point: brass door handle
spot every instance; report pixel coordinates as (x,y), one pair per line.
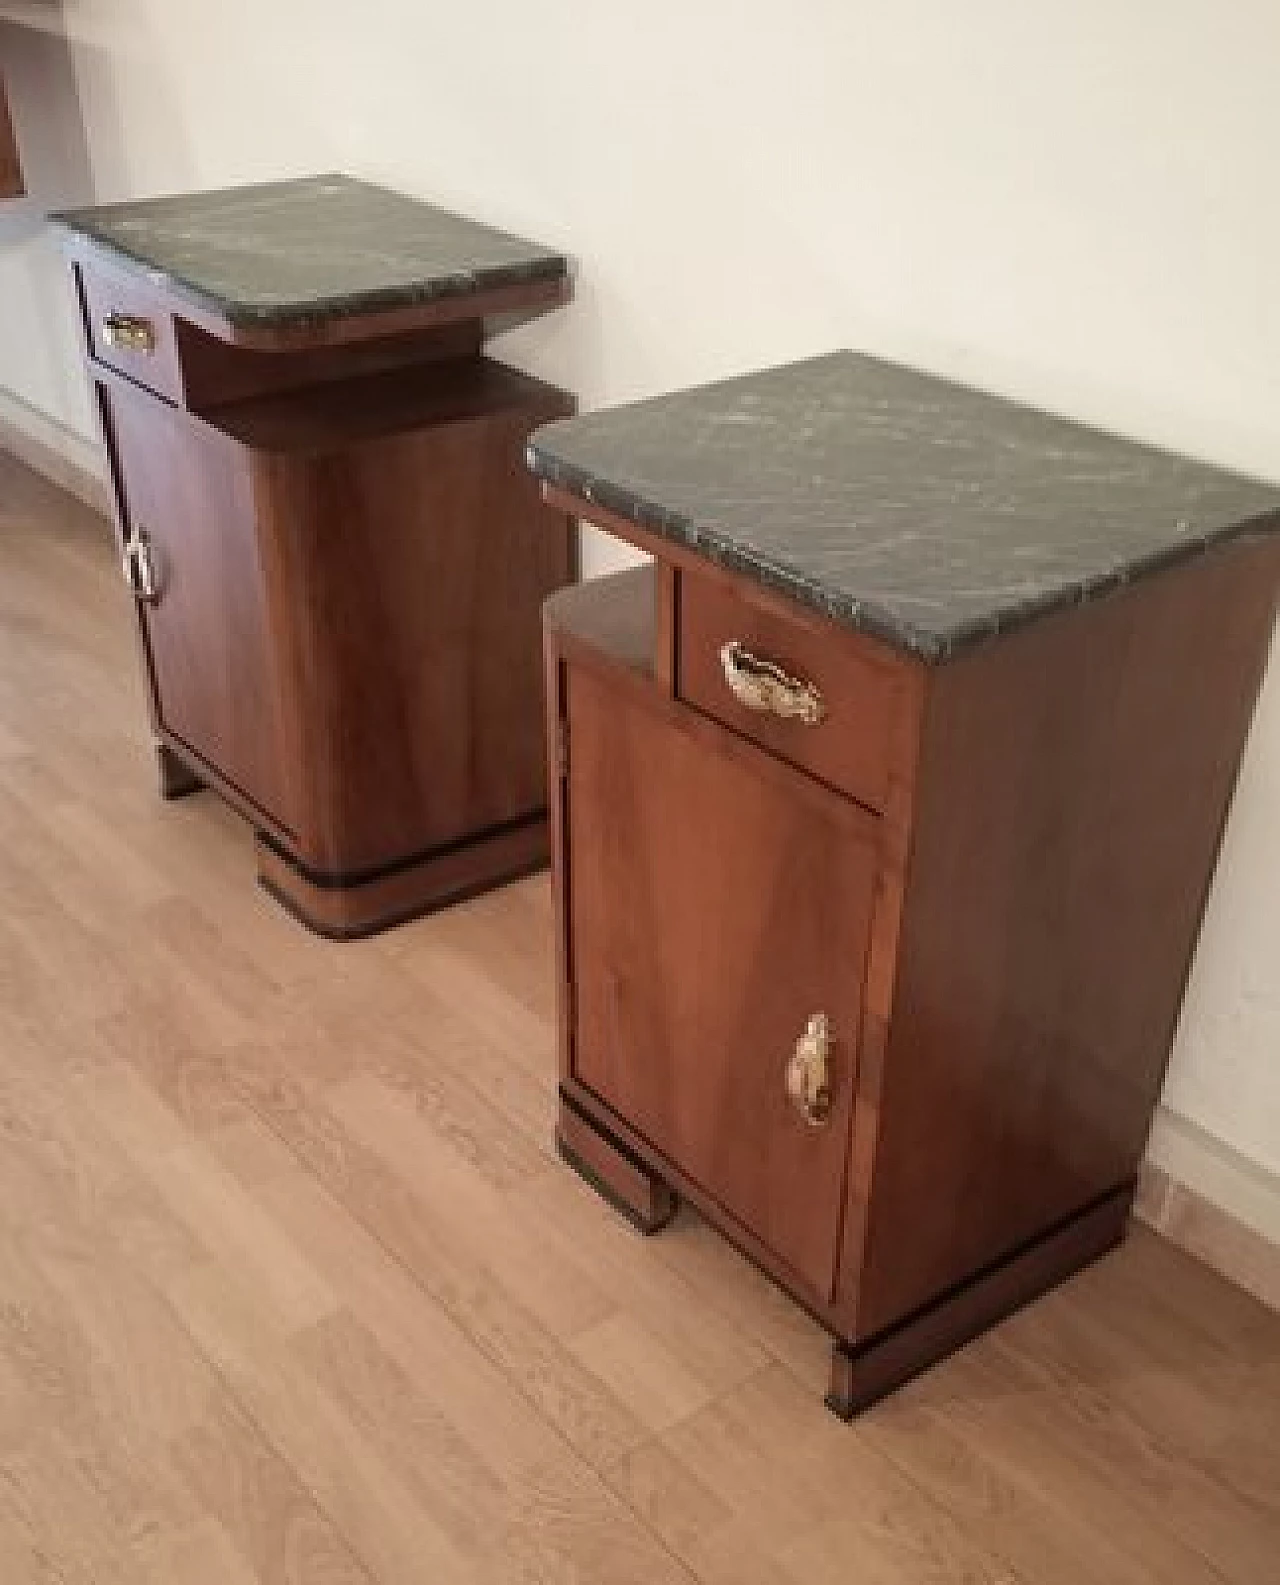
(140,568)
(809,1072)
(127,333)
(762,685)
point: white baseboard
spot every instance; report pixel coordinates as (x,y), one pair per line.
(1215,1172)
(67,458)
(1214,1203)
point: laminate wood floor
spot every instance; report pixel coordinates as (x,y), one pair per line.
(292,1288)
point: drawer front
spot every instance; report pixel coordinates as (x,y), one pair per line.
(719,905)
(810,692)
(129,328)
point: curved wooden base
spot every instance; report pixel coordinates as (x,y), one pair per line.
(862,1373)
(613,1170)
(347,908)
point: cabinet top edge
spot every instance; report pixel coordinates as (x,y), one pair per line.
(302,253)
(926,514)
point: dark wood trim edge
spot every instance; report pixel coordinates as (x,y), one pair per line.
(865,1372)
(349,913)
(341,881)
(362,932)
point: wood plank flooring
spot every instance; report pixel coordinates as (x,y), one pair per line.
(293,1290)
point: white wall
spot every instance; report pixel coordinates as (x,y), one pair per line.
(1072,204)
(38,348)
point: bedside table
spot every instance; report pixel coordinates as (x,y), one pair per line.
(335,556)
(885,807)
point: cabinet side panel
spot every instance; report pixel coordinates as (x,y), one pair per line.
(1073,784)
(417,564)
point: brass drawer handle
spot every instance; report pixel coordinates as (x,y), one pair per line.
(809,1072)
(760,685)
(140,568)
(125,333)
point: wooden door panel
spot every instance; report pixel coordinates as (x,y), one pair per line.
(189,489)
(716,904)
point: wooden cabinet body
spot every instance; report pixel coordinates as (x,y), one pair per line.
(338,563)
(992,900)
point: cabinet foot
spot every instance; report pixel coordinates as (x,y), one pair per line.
(177,780)
(611,1169)
(862,1373)
(346,907)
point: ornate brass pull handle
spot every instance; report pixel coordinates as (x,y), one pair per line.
(126,333)
(809,1072)
(761,685)
(141,572)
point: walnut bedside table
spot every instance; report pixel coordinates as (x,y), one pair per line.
(885,806)
(336,558)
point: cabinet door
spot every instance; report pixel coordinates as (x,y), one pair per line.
(188,490)
(718,901)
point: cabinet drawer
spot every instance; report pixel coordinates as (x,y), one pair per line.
(128,328)
(844,691)
(720,913)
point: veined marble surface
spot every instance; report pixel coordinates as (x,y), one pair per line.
(927,514)
(311,249)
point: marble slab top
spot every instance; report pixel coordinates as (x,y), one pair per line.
(927,514)
(305,251)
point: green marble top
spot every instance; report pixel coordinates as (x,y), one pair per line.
(927,514)
(301,252)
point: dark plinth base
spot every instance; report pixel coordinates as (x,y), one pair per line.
(346,908)
(865,1372)
(177,779)
(613,1170)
